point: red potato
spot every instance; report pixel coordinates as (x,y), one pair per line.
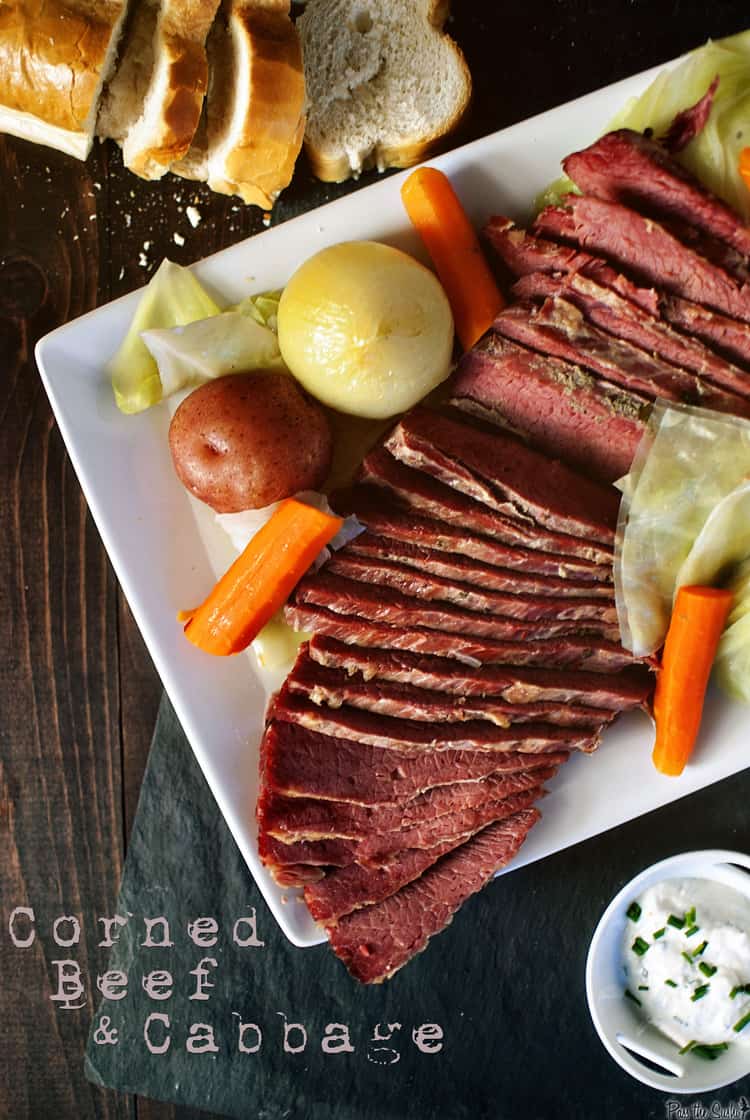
(249,439)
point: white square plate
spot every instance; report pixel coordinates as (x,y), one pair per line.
(167,551)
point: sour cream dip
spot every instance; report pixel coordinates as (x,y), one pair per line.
(686,962)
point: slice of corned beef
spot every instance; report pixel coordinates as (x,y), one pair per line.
(305,818)
(567,413)
(646,248)
(312,853)
(351,597)
(571,651)
(524,254)
(626,166)
(730,337)
(688,123)
(616,692)
(375,941)
(428,587)
(429,497)
(559,328)
(461,568)
(621,318)
(377,848)
(410,735)
(303,763)
(345,889)
(335,687)
(718,252)
(496,467)
(382,514)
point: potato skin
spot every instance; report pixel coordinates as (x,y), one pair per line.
(249,439)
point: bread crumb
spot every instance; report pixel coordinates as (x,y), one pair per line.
(194,216)
(178,239)
(142,260)
(146,246)
(128,220)
(122,272)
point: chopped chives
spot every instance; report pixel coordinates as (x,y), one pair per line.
(709,1050)
(700,992)
(741,989)
(659,933)
(630,995)
(671,983)
(633,912)
(691,931)
(707,969)
(643,987)
(689,1046)
(690,916)
(742,1023)
(687,957)
(673,920)
(701,948)
(640,946)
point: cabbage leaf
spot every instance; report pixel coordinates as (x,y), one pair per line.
(173,297)
(690,461)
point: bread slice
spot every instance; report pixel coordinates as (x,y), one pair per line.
(55,56)
(153,104)
(251,132)
(385,84)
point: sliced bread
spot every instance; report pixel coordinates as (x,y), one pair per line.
(385,84)
(153,104)
(251,132)
(55,56)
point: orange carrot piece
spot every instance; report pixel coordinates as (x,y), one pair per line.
(745,166)
(698,619)
(449,237)
(261,579)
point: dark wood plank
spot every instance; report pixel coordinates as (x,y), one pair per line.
(62,834)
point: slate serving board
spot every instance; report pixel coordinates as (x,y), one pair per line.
(504,983)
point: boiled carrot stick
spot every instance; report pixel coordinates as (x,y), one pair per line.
(449,237)
(698,619)
(745,166)
(261,579)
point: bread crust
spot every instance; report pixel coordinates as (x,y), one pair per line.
(52,55)
(262,160)
(409,150)
(182,67)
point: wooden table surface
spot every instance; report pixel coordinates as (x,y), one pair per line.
(78,694)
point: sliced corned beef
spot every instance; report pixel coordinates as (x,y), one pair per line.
(345,889)
(378,510)
(305,818)
(524,254)
(730,337)
(621,318)
(565,411)
(626,166)
(314,853)
(496,467)
(429,497)
(302,763)
(411,735)
(573,651)
(461,568)
(646,248)
(375,941)
(428,587)
(377,604)
(378,847)
(559,328)
(616,692)
(335,687)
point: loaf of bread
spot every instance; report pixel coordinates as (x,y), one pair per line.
(385,84)
(253,122)
(55,56)
(153,103)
